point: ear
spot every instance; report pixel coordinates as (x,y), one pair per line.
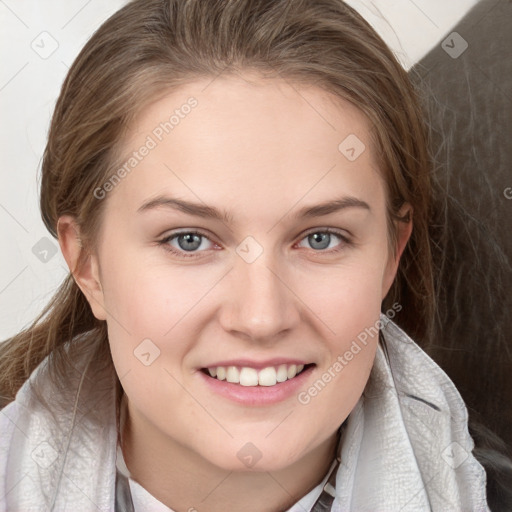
(88,276)
(404,230)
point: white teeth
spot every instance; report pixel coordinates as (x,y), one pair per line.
(233,375)
(292,371)
(267,376)
(282,373)
(247,376)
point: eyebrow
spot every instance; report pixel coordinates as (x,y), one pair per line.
(205,211)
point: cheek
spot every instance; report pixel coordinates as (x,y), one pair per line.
(150,333)
(150,296)
(348,302)
(333,394)
(347,298)
(155,313)
(142,310)
(342,375)
(353,315)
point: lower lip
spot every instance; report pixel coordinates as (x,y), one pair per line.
(257,395)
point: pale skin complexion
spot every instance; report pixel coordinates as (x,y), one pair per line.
(261,151)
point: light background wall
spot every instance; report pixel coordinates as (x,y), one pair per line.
(38,42)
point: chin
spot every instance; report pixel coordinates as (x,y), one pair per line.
(258,456)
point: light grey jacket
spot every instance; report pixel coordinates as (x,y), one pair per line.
(406,446)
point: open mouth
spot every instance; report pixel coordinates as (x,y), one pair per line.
(250,377)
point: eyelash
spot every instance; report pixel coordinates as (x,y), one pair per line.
(165,242)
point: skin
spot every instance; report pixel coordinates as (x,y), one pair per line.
(261,150)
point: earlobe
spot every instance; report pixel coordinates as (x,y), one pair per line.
(404,230)
(86,272)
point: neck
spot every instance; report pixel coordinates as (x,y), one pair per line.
(184,481)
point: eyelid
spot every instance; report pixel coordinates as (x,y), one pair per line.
(336,231)
(190,231)
(346,240)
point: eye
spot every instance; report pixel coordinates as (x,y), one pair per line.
(189,244)
(185,242)
(322,239)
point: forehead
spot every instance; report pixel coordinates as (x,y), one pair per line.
(245,138)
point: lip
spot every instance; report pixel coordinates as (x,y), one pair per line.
(257,395)
(257,365)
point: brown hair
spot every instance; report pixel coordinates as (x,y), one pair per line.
(148,48)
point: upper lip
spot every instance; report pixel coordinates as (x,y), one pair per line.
(259,365)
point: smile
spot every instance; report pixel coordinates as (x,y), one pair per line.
(251,377)
(256,384)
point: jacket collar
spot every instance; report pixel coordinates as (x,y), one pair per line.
(406,446)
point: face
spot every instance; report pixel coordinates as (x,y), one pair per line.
(215,258)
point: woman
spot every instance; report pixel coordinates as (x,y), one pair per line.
(241,192)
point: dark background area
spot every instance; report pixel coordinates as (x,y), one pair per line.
(469,102)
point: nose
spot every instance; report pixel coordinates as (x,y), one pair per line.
(259,303)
